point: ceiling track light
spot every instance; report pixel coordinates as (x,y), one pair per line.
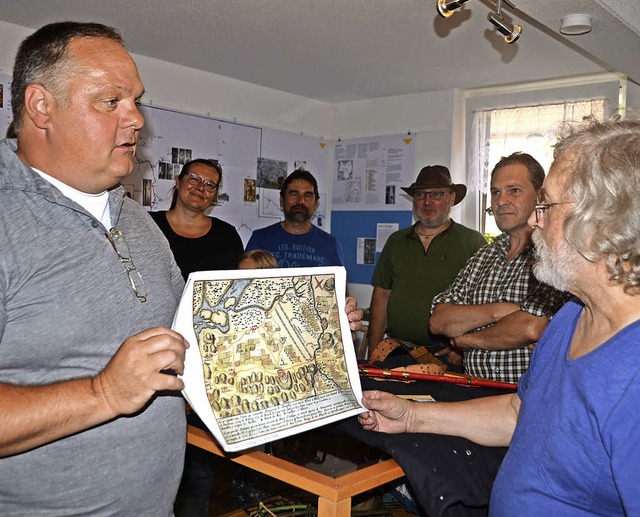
(510,32)
(446,7)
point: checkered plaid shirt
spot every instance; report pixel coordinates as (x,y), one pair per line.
(489,278)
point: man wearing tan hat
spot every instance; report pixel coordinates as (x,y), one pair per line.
(421,261)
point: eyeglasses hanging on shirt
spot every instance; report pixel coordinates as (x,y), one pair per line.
(119,243)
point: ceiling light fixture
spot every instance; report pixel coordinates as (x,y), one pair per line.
(446,7)
(575,24)
(510,32)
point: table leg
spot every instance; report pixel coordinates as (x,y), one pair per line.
(329,508)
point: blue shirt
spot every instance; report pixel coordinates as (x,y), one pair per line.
(576,447)
(314,248)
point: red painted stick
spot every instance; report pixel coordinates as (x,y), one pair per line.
(373,371)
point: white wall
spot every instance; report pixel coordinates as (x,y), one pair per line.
(10,37)
(194,91)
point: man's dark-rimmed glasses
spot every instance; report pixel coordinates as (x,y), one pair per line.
(435,195)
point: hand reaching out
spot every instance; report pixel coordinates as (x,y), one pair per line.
(387,413)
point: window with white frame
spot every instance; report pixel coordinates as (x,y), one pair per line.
(530,129)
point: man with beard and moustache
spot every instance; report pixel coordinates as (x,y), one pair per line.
(572,427)
(295,242)
(421,261)
(495,310)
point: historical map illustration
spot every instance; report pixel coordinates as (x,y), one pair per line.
(272,353)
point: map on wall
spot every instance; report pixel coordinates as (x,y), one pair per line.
(169,139)
(271,354)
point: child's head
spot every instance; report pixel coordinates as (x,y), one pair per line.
(257,259)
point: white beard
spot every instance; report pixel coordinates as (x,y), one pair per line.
(555,267)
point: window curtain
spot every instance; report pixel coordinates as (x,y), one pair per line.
(531,129)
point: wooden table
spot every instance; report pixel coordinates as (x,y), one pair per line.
(334,494)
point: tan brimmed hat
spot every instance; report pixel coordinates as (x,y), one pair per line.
(436,176)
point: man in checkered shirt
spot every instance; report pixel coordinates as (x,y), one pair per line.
(495,310)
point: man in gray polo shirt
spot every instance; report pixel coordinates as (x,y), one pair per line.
(92,419)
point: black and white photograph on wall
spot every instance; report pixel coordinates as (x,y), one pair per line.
(345,170)
(223,197)
(147,192)
(371,180)
(369,251)
(390,195)
(300,165)
(271,173)
(165,171)
(180,155)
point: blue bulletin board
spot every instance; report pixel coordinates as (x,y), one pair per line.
(349,226)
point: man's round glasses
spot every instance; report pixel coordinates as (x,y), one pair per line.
(541,208)
(435,195)
(195,180)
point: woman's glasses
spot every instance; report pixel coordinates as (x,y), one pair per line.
(196,180)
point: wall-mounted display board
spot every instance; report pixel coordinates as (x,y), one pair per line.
(254,163)
(352,228)
(169,139)
(368,173)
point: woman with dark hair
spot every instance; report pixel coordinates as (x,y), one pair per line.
(199,242)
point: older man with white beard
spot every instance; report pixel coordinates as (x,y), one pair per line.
(572,428)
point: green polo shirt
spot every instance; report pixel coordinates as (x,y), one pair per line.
(415,276)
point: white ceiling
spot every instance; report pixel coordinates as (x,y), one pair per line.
(341,50)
